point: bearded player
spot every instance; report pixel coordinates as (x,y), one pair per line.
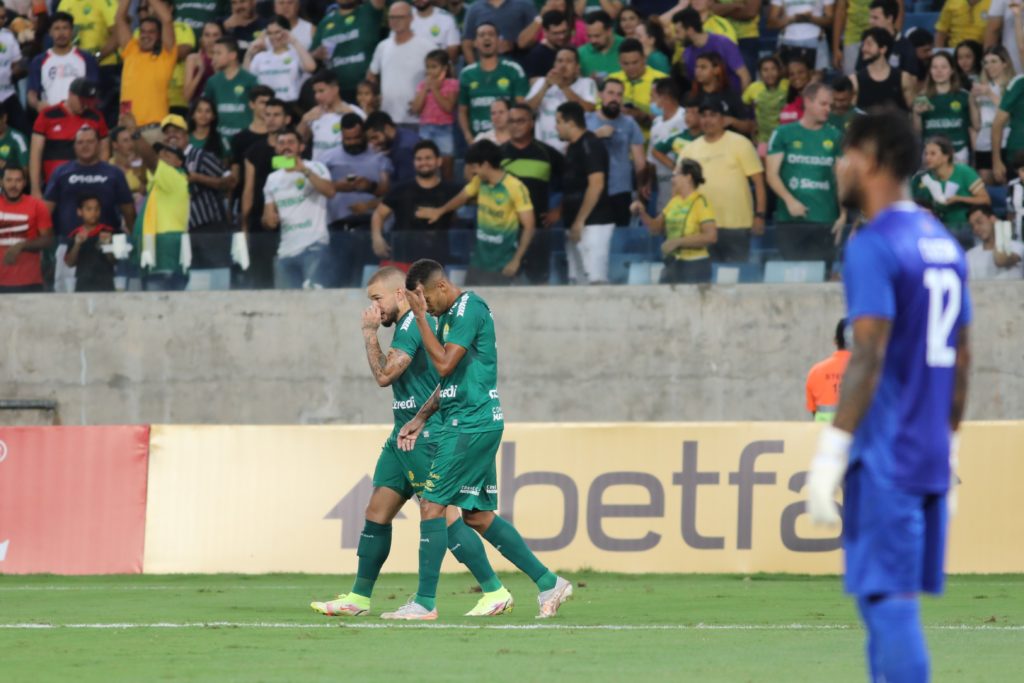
(400,474)
(462,475)
(894,438)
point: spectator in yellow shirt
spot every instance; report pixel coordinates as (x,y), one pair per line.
(638,80)
(184,45)
(688,224)
(961,20)
(148,65)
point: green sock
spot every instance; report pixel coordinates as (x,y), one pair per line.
(466,547)
(374,548)
(509,543)
(433,545)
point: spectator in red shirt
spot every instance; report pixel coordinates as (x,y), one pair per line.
(53,135)
(25,230)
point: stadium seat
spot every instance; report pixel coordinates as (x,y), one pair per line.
(925,20)
(997,193)
(644,272)
(208,279)
(733,273)
(790,272)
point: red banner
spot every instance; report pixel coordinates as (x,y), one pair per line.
(72,499)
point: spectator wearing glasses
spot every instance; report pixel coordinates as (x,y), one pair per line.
(541,58)
(539,167)
(398,64)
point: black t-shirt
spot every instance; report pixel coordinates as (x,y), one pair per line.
(94,271)
(260,155)
(240,144)
(539,166)
(413,238)
(903,56)
(245,35)
(585,156)
(539,61)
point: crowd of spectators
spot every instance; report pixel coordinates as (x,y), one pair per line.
(297,143)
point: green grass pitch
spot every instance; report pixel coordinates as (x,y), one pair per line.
(636,628)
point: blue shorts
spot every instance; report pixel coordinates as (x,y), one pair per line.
(894,542)
(442,136)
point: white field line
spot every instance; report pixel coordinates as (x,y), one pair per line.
(484,627)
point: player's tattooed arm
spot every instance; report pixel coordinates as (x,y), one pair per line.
(870,338)
(963,364)
(431,405)
(385,369)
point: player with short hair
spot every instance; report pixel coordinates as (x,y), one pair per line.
(400,474)
(894,438)
(463,349)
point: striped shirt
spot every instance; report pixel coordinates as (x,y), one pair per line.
(206,206)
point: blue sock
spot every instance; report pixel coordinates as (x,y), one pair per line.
(870,645)
(896,642)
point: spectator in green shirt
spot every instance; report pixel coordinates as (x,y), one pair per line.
(600,56)
(229,89)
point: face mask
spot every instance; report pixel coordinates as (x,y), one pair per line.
(656,110)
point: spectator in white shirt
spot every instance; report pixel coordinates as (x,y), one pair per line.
(299,27)
(562,84)
(279,61)
(437,26)
(296,204)
(803,24)
(987,260)
(399,64)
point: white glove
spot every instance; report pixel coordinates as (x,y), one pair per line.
(827,470)
(185,254)
(952,496)
(147,259)
(240,250)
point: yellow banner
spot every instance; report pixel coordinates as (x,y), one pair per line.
(717,497)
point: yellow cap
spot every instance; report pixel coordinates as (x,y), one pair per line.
(174,120)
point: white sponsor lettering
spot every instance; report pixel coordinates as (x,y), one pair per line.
(808,184)
(937,250)
(809,160)
(408,404)
(462,305)
(470,490)
(490,239)
(497,415)
(493,393)
(75,178)
(449,392)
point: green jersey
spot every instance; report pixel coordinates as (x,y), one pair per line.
(808,158)
(674,145)
(350,40)
(950,116)
(842,121)
(469,395)
(934,192)
(479,88)
(497,220)
(14,148)
(1013,104)
(232,98)
(414,386)
(594,64)
(195,13)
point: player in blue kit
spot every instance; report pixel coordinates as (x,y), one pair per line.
(893,440)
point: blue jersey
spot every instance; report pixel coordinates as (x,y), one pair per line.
(906,268)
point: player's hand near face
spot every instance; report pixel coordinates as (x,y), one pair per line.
(371,317)
(417,302)
(409,433)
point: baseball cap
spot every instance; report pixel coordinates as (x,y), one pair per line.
(82,87)
(161,147)
(713,103)
(175,120)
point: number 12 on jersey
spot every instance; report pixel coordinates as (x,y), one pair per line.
(945,297)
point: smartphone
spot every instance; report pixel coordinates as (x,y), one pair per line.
(278,162)
(126,106)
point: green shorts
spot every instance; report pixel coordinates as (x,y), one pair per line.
(463,473)
(405,472)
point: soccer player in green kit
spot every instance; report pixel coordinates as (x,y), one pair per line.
(462,348)
(401,473)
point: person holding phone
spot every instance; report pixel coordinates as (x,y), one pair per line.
(296,204)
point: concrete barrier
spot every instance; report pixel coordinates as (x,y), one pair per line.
(566,354)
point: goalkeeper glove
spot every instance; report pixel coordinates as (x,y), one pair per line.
(952,497)
(827,470)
